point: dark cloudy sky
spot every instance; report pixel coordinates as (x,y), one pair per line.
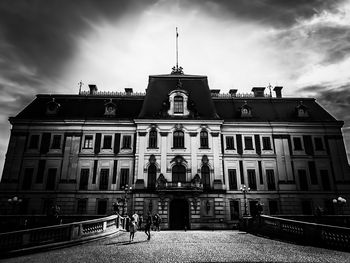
(48,46)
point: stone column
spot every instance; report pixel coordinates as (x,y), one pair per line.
(194,150)
(163,152)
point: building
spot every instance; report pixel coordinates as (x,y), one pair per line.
(181,150)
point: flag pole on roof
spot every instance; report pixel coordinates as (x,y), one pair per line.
(177,49)
(177,69)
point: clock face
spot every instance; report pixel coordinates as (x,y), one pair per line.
(109,108)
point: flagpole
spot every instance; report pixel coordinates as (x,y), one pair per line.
(177,50)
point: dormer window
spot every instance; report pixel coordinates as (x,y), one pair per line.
(52,107)
(246,111)
(178,104)
(110,108)
(178,101)
(302,111)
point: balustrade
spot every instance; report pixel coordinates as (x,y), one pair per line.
(327,236)
(30,239)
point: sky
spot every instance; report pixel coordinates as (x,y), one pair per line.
(49,46)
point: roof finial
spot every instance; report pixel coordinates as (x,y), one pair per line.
(80,84)
(177,69)
(269,87)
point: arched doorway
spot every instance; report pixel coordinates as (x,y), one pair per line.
(152,176)
(205,172)
(179,173)
(179,214)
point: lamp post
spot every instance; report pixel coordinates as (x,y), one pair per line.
(14,201)
(127,190)
(244,190)
(340,201)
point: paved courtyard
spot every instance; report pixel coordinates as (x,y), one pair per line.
(190,246)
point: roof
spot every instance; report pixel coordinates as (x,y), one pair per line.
(207,106)
(159,87)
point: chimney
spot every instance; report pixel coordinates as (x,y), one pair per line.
(93,89)
(278,90)
(258,91)
(214,92)
(128,91)
(233,92)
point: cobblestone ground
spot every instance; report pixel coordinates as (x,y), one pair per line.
(190,246)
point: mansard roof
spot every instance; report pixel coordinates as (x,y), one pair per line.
(78,107)
(270,109)
(205,104)
(159,87)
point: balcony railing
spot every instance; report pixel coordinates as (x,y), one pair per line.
(180,186)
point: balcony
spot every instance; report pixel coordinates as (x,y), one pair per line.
(179,186)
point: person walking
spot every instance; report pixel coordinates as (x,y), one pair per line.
(140,221)
(148,225)
(157,222)
(132,229)
(136,218)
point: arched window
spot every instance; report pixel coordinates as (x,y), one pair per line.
(152,174)
(205,172)
(178,139)
(152,142)
(178,104)
(179,173)
(204,139)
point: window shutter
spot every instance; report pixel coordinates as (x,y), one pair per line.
(134,145)
(239,144)
(95,172)
(257,144)
(116,143)
(241,171)
(97,143)
(45,142)
(41,170)
(115,167)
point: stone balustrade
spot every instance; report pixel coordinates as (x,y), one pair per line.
(327,236)
(59,235)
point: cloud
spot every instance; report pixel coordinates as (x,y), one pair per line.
(274,13)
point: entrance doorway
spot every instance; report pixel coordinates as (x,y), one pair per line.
(179,214)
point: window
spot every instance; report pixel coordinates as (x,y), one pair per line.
(205,172)
(104,179)
(248,142)
(325,180)
(51,179)
(107,142)
(40,172)
(230,143)
(152,174)
(126,142)
(266,143)
(152,141)
(34,142)
(312,172)
(84,179)
(303,180)
(178,104)
(101,207)
(297,144)
(56,142)
(88,142)
(232,179)
(178,139)
(179,173)
(318,144)
(306,207)
(81,206)
(27,180)
(273,207)
(251,179)
(270,176)
(204,139)
(124,177)
(234,209)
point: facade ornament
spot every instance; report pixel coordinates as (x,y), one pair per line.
(177,70)
(178,159)
(178,126)
(152,159)
(196,181)
(161,181)
(52,107)
(205,159)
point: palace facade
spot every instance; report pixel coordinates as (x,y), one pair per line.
(180,149)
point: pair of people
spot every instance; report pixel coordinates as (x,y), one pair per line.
(133,225)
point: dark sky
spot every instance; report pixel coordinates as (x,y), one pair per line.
(49,46)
